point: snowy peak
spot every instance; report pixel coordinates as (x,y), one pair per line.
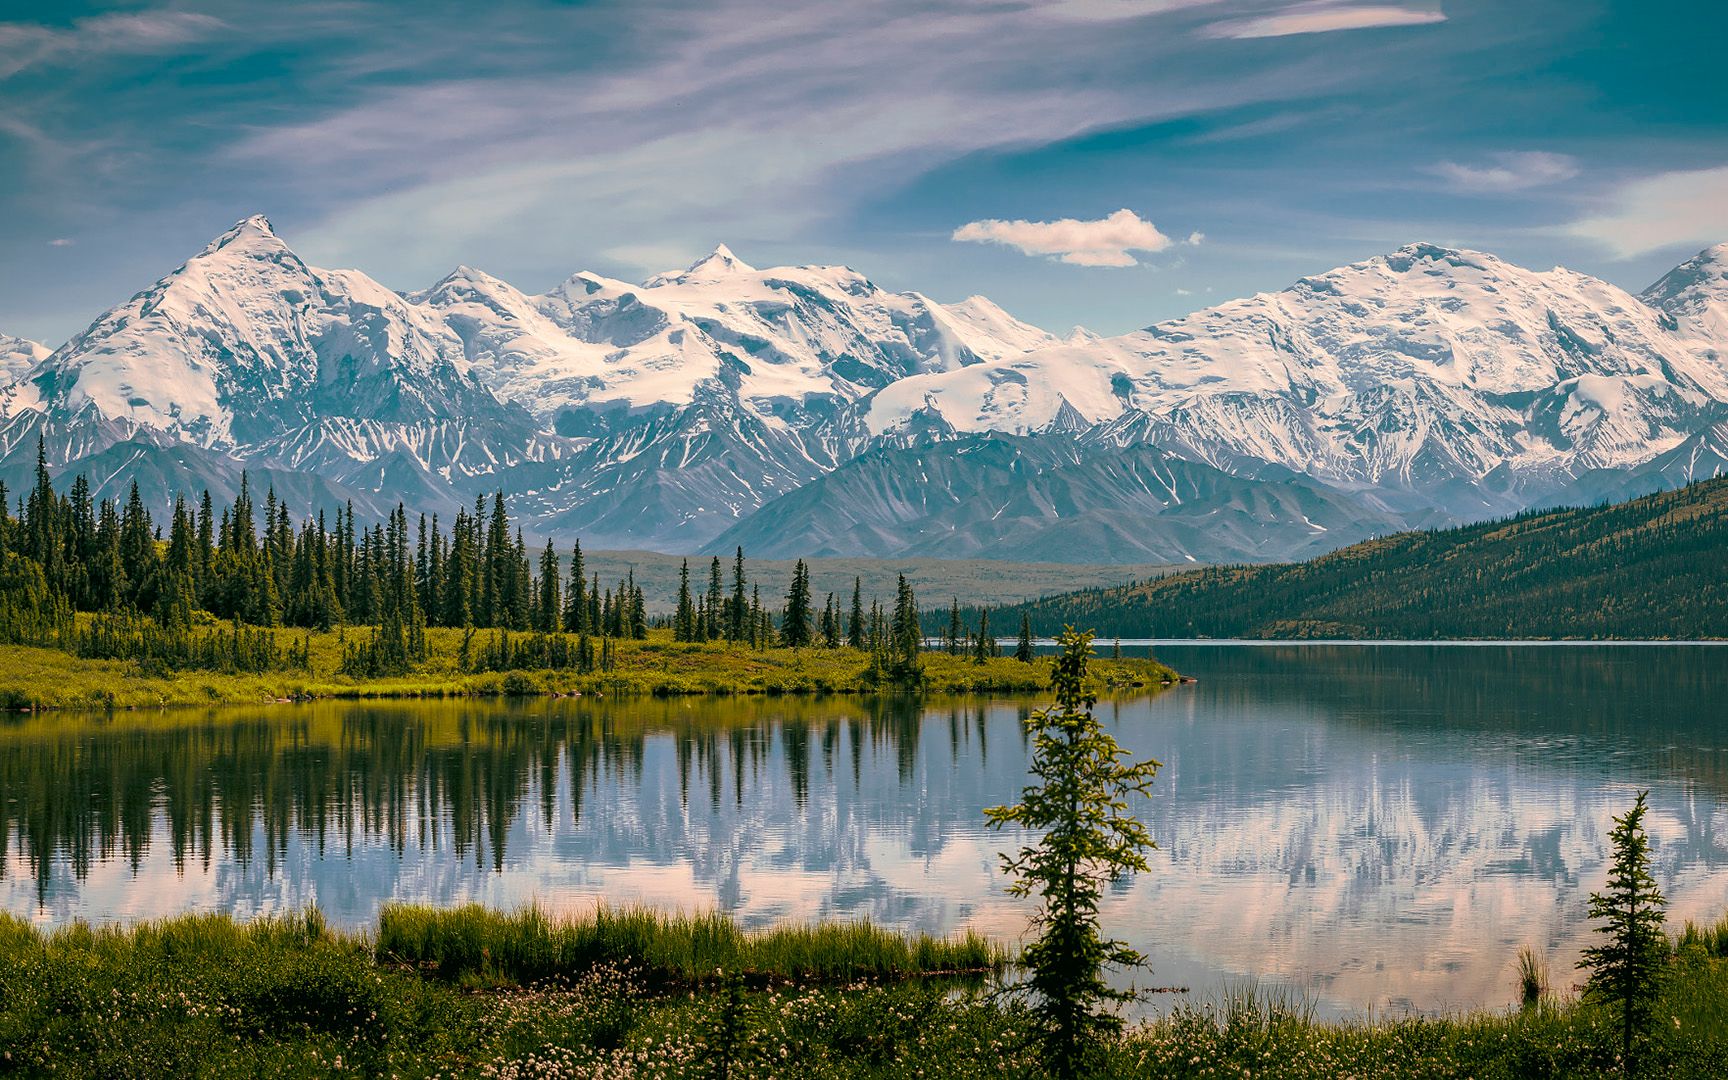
(717,265)
(246,235)
(1694,297)
(246,341)
(1705,272)
(987,331)
(17,356)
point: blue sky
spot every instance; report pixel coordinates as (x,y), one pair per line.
(972,146)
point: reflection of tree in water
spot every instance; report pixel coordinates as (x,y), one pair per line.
(241,784)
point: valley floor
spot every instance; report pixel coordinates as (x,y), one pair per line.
(632,995)
(32,678)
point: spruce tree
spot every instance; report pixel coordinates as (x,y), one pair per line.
(907,636)
(830,624)
(550,609)
(684,620)
(716,598)
(741,608)
(1023,649)
(795,629)
(520,598)
(855,620)
(459,575)
(1626,970)
(1087,839)
(576,601)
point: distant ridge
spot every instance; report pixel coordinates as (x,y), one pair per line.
(1655,567)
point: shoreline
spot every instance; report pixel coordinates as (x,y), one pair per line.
(36,680)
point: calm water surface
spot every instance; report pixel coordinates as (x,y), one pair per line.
(1376,826)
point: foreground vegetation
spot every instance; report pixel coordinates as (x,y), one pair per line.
(1654,567)
(468,993)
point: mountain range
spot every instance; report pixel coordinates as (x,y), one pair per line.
(804,410)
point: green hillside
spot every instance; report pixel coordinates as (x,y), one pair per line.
(1655,567)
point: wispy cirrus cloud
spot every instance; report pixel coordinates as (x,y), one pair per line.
(1323,17)
(1512,171)
(1665,210)
(1106,241)
(732,128)
(26,44)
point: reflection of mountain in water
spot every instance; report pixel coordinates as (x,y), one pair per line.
(1380,825)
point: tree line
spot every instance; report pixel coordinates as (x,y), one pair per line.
(156,591)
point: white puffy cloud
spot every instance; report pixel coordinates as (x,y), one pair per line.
(1321,18)
(1661,211)
(1107,241)
(1510,171)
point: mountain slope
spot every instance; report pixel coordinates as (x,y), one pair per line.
(1411,372)
(1050,498)
(1655,567)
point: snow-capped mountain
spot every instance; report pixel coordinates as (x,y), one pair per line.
(1449,377)
(17,356)
(792,339)
(1421,387)
(248,351)
(245,342)
(707,391)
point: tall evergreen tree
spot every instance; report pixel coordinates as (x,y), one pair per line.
(855,620)
(684,623)
(795,628)
(1086,839)
(550,609)
(576,600)
(741,608)
(986,644)
(1626,970)
(1023,650)
(714,602)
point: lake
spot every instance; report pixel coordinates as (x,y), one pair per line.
(1375,826)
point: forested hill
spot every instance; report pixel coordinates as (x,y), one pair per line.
(1655,567)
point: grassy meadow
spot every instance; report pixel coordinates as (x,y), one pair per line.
(32,678)
(619,995)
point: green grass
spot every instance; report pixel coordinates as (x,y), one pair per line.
(45,678)
(477,946)
(624,995)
